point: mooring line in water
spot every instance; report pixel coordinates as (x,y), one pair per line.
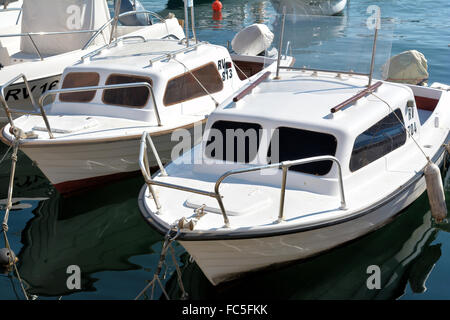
(168,239)
(6,153)
(11,256)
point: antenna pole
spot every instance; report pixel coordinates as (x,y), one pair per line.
(280,46)
(193,22)
(186,22)
(374,49)
(116,20)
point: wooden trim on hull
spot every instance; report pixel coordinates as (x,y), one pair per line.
(204,236)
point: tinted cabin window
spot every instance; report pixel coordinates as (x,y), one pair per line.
(77,80)
(380,139)
(185,87)
(135,97)
(233,141)
(299,144)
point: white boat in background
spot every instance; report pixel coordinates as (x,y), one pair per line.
(310,7)
(91,133)
(307,160)
(53,36)
(10,14)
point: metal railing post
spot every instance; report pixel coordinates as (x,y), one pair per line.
(35,47)
(280,46)
(30,93)
(116,20)
(143,164)
(146,169)
(110,21)
(283,193)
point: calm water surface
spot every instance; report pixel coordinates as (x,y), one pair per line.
(104,234)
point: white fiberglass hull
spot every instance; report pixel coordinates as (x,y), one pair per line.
(224,260)
(71,167)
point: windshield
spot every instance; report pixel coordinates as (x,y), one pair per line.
(337,43)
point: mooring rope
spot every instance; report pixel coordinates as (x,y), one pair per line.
(168,239)
(12,258)
(6,153)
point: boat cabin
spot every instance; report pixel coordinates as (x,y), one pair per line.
(293,118)
(182,80)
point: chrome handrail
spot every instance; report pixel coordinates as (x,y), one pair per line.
(110,21)
(8,111)
(171,54)
(10,9)
(49,33)
(110,45)
(285,165)
(44,33)
(91,39)
(106,86)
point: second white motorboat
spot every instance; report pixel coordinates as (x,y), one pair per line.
(53,35)
(91,133)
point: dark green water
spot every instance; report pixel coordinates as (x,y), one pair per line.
(104,234)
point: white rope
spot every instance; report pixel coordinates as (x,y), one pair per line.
(236,66)
(6,217)
(162,262)
(6,153)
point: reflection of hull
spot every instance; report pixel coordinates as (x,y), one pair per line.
(95,232)
(29,182)
(310,7)
(404,250)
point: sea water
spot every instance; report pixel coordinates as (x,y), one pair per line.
(102,232)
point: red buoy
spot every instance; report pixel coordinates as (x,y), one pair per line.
(217,5)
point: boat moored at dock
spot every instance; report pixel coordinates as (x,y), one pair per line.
(41,47)
(304,162)
(91,133)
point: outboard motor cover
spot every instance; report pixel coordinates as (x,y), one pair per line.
(406,67)
(252,40)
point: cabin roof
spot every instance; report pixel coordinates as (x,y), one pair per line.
(135,55)
(301,100)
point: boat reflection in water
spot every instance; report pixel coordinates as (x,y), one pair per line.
(405,251)
(100,232)
(97,232)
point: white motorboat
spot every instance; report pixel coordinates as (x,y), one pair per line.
(310,7)
(307,160)
(42,46)
(91,133)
